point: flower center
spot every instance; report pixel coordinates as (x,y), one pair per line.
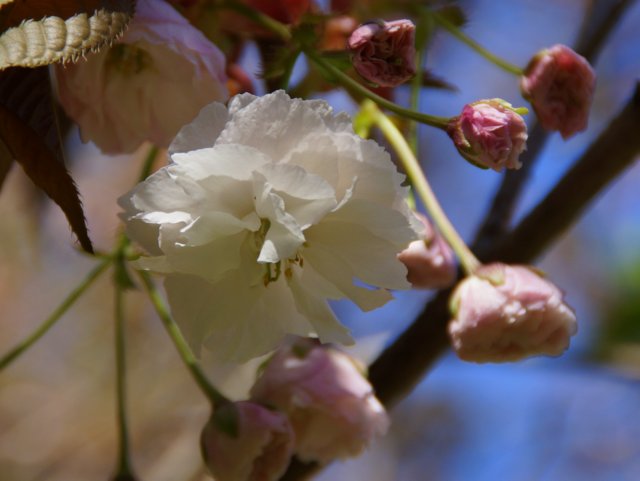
(128,59)
(273,270)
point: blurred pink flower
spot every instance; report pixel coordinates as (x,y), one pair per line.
(559,83)
(146,86)
(430,261)
(490,134)
(506,313)
(384,52)
(331,405)
(259,450)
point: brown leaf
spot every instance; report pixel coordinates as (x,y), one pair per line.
(40,32)
(29,130)
(6,161)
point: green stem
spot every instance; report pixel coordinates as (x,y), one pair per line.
(460,35)
(148,163)
(286,78)
(55,315)
(124,459)
(215,397)
(351,84)
(468,261)
(278,28)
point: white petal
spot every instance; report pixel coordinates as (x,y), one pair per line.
(167,190)
(213,225)
(284,236)
(380,220)
(233,320)
(210,261)
(307,197)
(370,258)
(319,314)
(202,131)
(335,271)
(235,161)
(275,123)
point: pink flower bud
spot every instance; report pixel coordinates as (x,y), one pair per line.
(430,261)
(384,52)
(490,134)
(245,441)
(330,403)
(506,313)
(146,86)
(559,83)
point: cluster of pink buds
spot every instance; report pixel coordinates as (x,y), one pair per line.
(310,400)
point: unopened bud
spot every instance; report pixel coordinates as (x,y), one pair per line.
(245,441)
(490,134)
(430,261)
(506,313)
(384,52)
(559,83)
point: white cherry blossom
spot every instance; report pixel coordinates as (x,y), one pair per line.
(268,209)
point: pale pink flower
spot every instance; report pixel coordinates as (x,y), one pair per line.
(560,83)
(384,52)
(146,86)
(245,441)
(506,313)
(332,407)
(430,261)
(490,134)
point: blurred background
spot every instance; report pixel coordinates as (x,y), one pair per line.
(562,419)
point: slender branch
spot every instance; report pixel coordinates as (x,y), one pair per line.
(601,20)
(351,84)
(147,165)
(464,38)
(418,348)
(124,460)
(214,396)
(55,315)
(422,187)
(497,221)
(278,28)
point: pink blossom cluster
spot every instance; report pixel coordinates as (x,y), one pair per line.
(310,400)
